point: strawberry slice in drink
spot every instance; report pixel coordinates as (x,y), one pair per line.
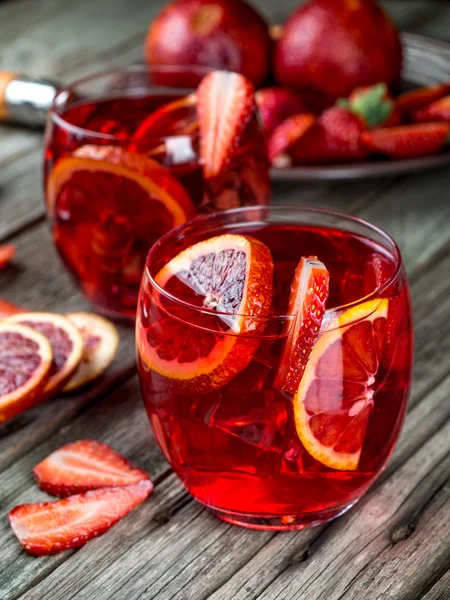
(225,105)
(309,294)
(49,527)
(25,362)
(65,340)
(82,466)
(204,341)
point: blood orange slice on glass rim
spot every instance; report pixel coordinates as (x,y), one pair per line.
(334,400)
(25,362)
(65,340)
(225,283)
(309,294)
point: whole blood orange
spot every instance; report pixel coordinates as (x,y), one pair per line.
(334,400)
(228,279)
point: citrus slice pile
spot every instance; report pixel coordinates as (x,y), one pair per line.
(65,340)
(117,204)
(334,400)
(231,277)
(25,362)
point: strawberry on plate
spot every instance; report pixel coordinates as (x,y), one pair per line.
(49,527)
(82,466)
(415,99)
(225,105)
(290,132)
(334,138)
(7,252)
(374,105)
(309,294)
(407,141)
(277,104)
(436,111)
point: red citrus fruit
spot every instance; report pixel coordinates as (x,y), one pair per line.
(229,279)
(334,400)
(65,340)
(221,34)
(101,341)
(309,294)
(25,362)
(333,46)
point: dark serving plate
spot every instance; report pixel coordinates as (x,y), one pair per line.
(426,61)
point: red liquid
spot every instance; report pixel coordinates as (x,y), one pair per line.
(236,448)
(103,224)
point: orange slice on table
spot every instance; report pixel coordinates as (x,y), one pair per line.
(25,362)
(334,400)
(228,277)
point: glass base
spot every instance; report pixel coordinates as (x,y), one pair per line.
(281,523)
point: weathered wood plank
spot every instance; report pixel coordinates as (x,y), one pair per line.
(440,590)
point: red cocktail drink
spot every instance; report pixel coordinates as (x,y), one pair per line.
(276,385)
(126,160)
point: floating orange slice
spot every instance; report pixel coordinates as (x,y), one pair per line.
(334,401)
(230,274)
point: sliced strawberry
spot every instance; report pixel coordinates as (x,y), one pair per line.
(334,138)
(436,111)
(407,141)
(82,466)
(373,105)
(225,105)
(275,105)
(50,527)
(8,308)
(285,136)
(309,294)
(415,99)
(7,252)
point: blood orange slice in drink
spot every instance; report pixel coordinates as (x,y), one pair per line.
(65,340)
(101,341)
(25,361)
(334,400)
(117,204)
(175,118)
(228,279)
(309,294)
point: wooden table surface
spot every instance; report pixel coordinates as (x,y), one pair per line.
(394,544)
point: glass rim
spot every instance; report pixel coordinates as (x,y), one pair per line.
(199,220)
(70,87)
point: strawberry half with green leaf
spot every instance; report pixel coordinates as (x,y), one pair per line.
(85,465)
(49,527)
(415,99)
(408,141)
(287,134)
(225,105)
(309,295)
(335,137)
(436,111)
(373,105)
